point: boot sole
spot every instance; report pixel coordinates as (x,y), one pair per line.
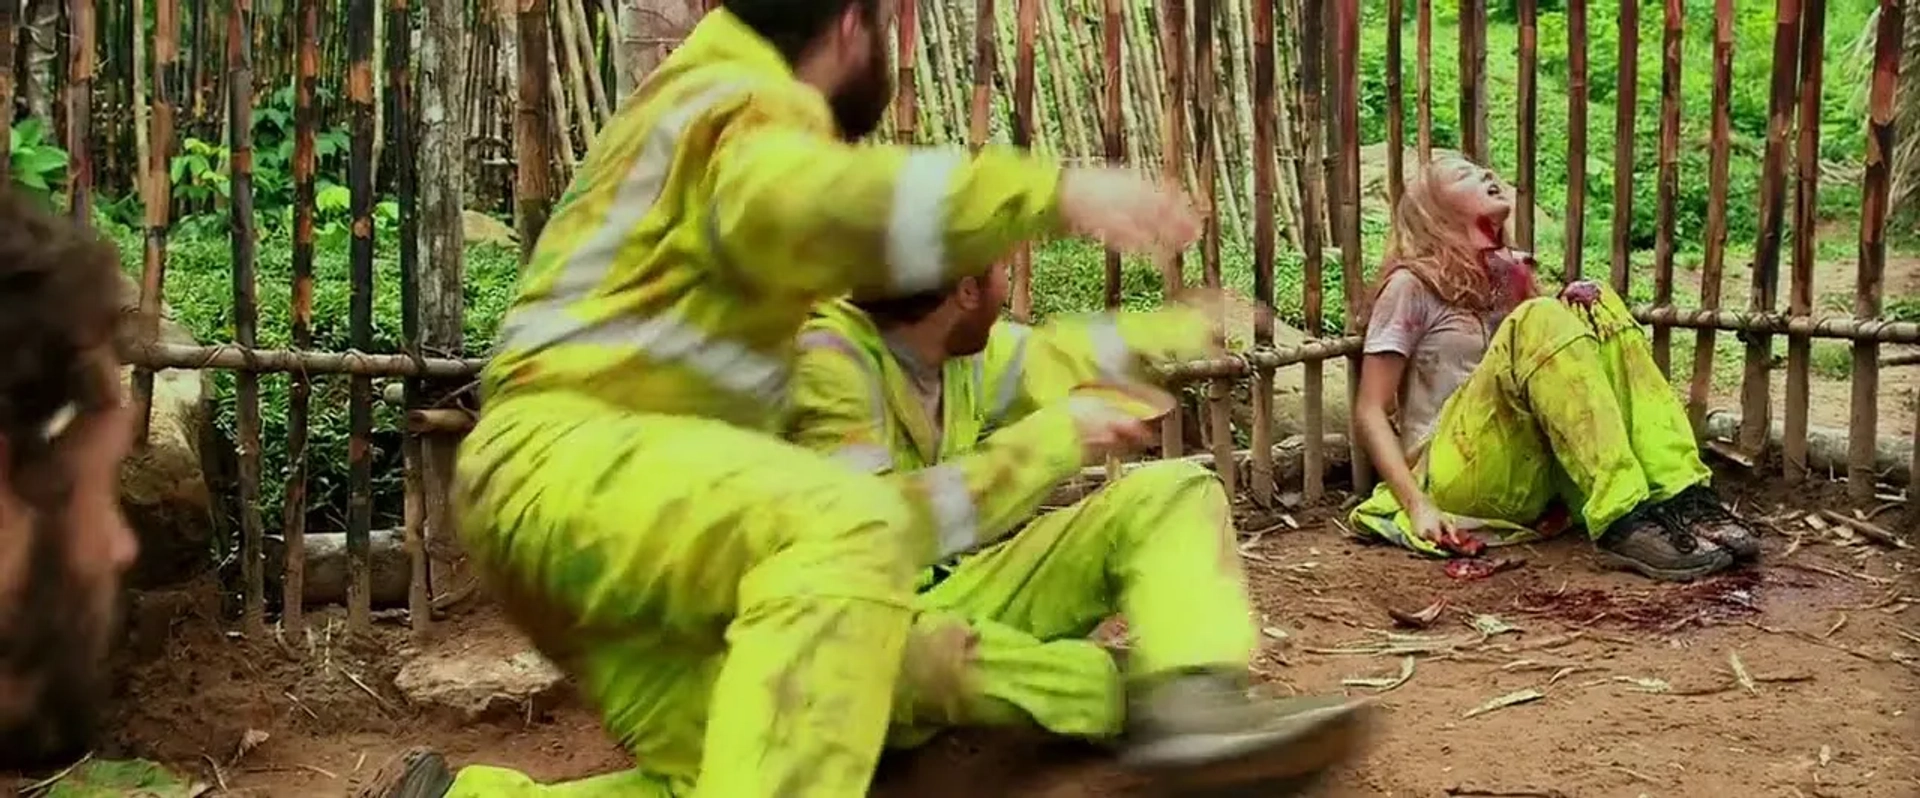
(1279,762)
(1664,574)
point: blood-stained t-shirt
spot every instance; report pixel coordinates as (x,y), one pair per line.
(1442,343)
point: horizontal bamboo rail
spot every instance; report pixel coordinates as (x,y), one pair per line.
(228,357)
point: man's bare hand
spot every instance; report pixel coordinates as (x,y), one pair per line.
(1123,209)
(1106,429)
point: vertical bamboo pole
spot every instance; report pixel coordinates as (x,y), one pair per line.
(1312,231)
(1264,180)
(1626,100)
(1396,112)
(1756,394)
(1576,223)
(589,62)
(983,61)
(1330,64)
(157,195)
(575,74)
(904,106)
(1527,136)
(1719,148)
(1113,129)
(532,143)
(1028,13)
(306,123)
(1473,79)
(406,137)
(1113,141)
(1173,155)
(1353,281)
(1669,186)
(1863,427)
(1806,220)
(360,311)
(1206,65)
(9,36)
(245,307)
(137,64)
(1423,97)
(80,71)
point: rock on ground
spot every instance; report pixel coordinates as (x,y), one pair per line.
(163,486)
(480,681)
(480,228)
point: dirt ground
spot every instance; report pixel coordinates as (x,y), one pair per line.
(1637,686)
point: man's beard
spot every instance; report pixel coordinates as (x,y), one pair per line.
(53,644)
(860,106)
(969,336)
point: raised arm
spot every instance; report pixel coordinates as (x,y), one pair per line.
(799,209)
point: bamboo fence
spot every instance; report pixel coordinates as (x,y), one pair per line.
(1169,87)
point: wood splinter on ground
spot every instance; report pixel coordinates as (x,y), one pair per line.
(1871,531)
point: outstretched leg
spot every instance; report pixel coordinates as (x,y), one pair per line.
(1157,546)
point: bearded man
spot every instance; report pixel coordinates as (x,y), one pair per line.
(736,606)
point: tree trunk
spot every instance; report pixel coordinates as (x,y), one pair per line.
(649,30)
(442,197)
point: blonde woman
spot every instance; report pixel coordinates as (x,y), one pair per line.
(1486,408)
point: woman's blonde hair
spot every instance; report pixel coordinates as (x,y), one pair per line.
(1431,237)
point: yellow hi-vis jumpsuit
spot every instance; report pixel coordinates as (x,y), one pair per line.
(1567,405)
(735,605)
(1000,637)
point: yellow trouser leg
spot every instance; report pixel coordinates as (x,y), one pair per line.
(1156,545)
(1568,404)
(736,606)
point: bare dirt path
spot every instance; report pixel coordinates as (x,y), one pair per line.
(1638,690)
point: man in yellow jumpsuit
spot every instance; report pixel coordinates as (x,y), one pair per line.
(930,389)
(736,606)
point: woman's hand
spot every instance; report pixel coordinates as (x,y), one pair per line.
(1438,527)
(1430,523)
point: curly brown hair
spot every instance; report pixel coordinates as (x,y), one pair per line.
(59,303)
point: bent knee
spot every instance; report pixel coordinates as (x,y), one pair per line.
(1170,477)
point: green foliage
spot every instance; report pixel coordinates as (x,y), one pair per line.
(36,164)
(199,291)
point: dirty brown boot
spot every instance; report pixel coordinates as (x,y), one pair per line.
(418,773)
(1206,733)
(1698,509)
(1660,549)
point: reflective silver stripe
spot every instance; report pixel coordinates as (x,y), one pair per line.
(916,228)
(956,521)
(865,457)
(667,338)
(548,321)
(1008,388)
(877,397)
(1110,351)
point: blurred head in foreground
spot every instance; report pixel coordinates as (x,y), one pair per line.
(839,46)
(64,429)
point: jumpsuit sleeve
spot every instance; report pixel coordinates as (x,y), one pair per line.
(963,503)
(1029,368)
(795,208)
